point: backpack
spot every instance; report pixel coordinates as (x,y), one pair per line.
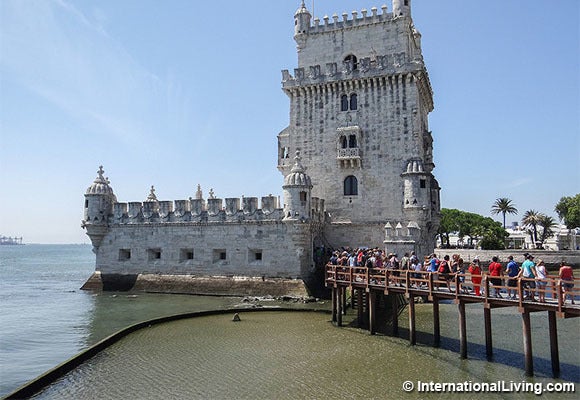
(443,267)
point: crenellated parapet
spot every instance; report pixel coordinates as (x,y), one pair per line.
(195,210)
(390,69)
(354,20)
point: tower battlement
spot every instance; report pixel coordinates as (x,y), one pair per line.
(367,67)
(356,19)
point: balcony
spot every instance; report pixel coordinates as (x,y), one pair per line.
(349,157)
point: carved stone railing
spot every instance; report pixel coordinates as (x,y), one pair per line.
(348,153)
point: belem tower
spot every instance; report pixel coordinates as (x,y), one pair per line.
(356,160)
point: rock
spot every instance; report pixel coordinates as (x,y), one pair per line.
(236,317)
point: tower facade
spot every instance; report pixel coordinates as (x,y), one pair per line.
(359,104)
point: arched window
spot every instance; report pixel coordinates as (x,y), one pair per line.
(353,101)
(344,103)
(343,142)
(350,186)
(351,58)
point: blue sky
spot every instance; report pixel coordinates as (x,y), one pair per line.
(180,93)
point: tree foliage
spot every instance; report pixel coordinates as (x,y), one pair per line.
(489,233)
(568,210)
(503,206)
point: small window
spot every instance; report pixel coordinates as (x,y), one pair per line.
(124,254)
(343,142)
(285,152)
(153,254)
(86,204)
(255,255)
(303,196)
(423,183)
(350,186)
(352,58)
(353,101)
(185,255)
(344,103)
(219,255)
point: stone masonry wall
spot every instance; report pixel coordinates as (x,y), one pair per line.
(271,249)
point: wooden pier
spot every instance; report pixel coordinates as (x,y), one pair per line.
(366,283)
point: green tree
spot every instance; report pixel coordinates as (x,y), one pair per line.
(490,234)
(503,206)
(530,221)
(548,226)
(568,210)
(448,224)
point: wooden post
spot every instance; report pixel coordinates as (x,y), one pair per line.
(462,330)
(395,314)
(554,344)
(344,301)
(412,333)
(352,297)
(527,332)
(488,341)
(333,304)
(360,307)
(372,316)
(436,328)
(339,306)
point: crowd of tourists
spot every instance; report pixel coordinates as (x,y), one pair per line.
(533,276)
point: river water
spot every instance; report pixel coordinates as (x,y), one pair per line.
(45,319)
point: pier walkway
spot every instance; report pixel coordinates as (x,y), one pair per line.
(367,283)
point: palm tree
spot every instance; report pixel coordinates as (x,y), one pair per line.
(548,224)
(504,206)
(531,220)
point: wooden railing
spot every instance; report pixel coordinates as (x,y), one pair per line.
(457,285)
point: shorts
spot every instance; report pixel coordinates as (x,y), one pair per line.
(567,285)
(495,281)
(542,283)
(530,284)
(512,282)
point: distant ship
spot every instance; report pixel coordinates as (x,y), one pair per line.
(8,241)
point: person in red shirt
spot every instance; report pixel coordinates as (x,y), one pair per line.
(567,276)
(495,272)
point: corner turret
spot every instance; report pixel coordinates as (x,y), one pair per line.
(301,25)
(297,192)
(99,199)
(401,8)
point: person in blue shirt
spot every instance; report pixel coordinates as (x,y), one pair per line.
(512,270)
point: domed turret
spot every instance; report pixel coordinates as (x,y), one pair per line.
(297,187)
(301,25)
(99,199)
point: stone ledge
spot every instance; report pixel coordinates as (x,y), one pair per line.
(198,285)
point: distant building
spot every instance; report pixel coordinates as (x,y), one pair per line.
(356,158)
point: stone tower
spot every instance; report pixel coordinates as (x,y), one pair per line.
(359,104)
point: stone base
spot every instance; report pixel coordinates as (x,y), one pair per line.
(188,284)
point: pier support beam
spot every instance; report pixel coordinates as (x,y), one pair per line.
(554,344)
(360,307)
(462,330)
(395,315)
(488,340)
(527,333)
(339,306)
(333,298)
(436,328)
(412,333)
(344,303)
(372,312)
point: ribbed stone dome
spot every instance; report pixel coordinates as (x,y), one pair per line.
(297,175)
(100,185)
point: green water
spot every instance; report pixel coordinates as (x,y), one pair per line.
(283,355)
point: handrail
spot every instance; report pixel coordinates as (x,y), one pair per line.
(430,281)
